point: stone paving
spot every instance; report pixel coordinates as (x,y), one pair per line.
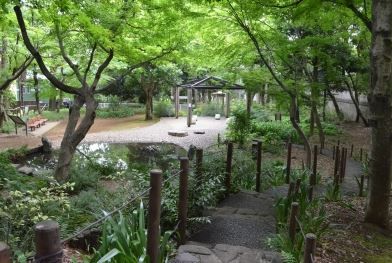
(240,226)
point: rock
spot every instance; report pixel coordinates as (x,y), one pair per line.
(46,145)
(186,258)
(178,133)
(26,170)
(194,250)
(217,116)
(199,132)
(210,259)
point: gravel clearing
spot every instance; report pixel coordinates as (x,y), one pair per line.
(158,133)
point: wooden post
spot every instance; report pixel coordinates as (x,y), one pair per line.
(341,169)
(227,105)
(276,116)
(229,161)
(333,152)
(336,168)
(310,193)
(183,199)
(360,154)
(288,164)
(361,184)
(297,186)
(154,215)
(5,253)
(199,164)
(293,221)
(258,166)
(189,106)
(177,101)
(338,143)
(310,248)
(313,175)
(219,139)
(48,246)
(291,189)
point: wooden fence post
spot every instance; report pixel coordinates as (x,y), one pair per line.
(310,248)
(258,166)
(333,152)
(48,246)
(360,154)
(293,221)
(154,215)
(337,161)
(183,199)
(5,253)
(352,150)
(313,175)
(342,165)
(288,164)
(199,164)
(229,161)
(219,140)
(310,193)
(361,184)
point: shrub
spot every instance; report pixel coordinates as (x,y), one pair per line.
(124,239)
(164,108)
(239,126)
(8,127)
(209,109)
(119,112)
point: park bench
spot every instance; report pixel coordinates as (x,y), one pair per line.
(36,122)
(31,124)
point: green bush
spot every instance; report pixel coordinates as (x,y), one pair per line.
(8,127)
(239,126)
(164,108)
(209,109)
(111,112)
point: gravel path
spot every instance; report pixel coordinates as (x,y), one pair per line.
(159,133)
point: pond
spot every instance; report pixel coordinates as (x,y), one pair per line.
(119,156)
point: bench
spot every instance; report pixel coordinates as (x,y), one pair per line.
(36,122)
(18,121)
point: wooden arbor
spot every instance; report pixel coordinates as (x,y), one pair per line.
(208,84)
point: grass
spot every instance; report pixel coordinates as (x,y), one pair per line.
(382,247)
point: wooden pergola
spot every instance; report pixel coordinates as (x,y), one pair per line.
(206,83)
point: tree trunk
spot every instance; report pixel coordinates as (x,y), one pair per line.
(316,118)
(356,104)
(148,104)
(52,103)
(311,122)
(293,113)
(36,92)
(249,96)
(380,97)
(74,134)
(335,104)
(356,96)
(60,101)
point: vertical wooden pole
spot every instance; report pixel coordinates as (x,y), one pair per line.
(291,190)
(219,139)
(313,175)
(229,161)
(297,186)
(336,168)
(189,100)
(360,154)
(199,164)
(341,169)
(288,164)
(361,184)
(183,199)
(310,248)
(154,215)
(177,101)
(293,221)
(48,246)
(5,253)
(227,105)
(310,193)
(333,152)
(258,166)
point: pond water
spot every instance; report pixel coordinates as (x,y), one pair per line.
(118,156)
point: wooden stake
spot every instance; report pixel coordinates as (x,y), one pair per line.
(154,215)
(183,199)
(258,166)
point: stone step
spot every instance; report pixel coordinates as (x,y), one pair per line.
(194,252)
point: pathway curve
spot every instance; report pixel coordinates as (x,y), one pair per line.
(158,132)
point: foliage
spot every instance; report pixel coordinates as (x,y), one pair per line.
(22,210)
(332,193)
(121,111)
(164,108)
(239,126)
(7,127)
(124,239)
(209,109)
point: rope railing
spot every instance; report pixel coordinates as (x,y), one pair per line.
(107,215)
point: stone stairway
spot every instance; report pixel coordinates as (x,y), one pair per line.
(239,229)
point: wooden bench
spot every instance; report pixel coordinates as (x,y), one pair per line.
(36,122)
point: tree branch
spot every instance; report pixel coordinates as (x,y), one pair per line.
(101,68)
(34,52)
(90,61)
(16,73)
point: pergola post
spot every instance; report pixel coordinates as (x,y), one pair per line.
(196,97)
(227,105)
(177,101)
(189,102)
